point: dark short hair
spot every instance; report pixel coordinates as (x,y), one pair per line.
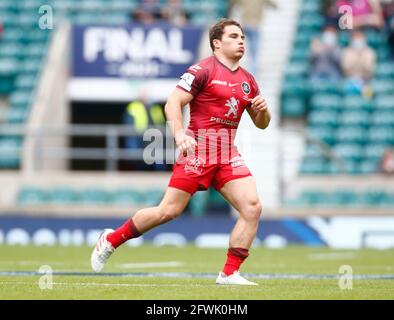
(217,30)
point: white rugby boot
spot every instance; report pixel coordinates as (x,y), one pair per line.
(234,279)
(102,251)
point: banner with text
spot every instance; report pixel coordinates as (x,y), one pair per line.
(134,51)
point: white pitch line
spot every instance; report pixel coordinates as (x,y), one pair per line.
(31,262)
(332,256)
(93,284)
(169,264)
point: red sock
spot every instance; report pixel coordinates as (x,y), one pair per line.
(235,257)
(125,232)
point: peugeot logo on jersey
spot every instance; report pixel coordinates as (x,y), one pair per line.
(232,103)
(245,87)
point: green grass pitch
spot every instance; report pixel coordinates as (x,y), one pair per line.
(156,273)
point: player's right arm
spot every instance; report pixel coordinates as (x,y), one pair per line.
(173,110)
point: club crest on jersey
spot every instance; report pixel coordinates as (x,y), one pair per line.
(245,87)
(232,103)
(194,164)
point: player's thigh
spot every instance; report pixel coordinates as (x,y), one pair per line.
(174,200)
(242,195)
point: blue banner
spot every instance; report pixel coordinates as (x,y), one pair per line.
(134,51)
(209,231)
(204,232)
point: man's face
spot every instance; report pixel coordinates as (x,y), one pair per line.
(232,43)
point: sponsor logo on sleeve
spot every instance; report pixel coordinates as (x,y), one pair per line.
(223,83)
(195,68)
(186,81)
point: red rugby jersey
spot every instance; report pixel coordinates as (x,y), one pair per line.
(220,97)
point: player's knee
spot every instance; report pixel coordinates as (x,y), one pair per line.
(253,210)
(169,212)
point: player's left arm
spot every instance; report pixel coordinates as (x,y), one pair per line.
(258,111)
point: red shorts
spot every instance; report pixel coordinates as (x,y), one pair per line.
(191,173)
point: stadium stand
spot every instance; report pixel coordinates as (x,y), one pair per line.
(23,48)
(346,135)
(355,126)
(23,57)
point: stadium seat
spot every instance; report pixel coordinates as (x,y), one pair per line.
(382,53)
(63,195)
(310,20)
(313,151)
(95,195)
(323,117)
(344,38)
(382,86)
(303,38)
(354,118)
(16,115)
(314,166)
(381,135)
(356,103)
(292,87)
(373,152)
(386,201)
(299,54)
(32,196)
(8,72)
(12,50)
(368,167)
(21,99)
(126,196)
(384,70)
(153,197)
(327,101)
(293,105)
(384,102)
(373,197)
(10,148)
(322,132)
(296,69)
(25,82)
(345,165)
(342,198)
(312,197)
(30,66)
(351,134)
(310,6)
(349,151)
(375,39)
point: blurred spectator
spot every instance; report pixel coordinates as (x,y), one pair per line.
(136,115)
(358,64)
(147,12)
(366,13)
(387,162)
(325,56)
(329,10)
(141,115)
(175,13)
(388,9)
(391,38)
(249,14)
